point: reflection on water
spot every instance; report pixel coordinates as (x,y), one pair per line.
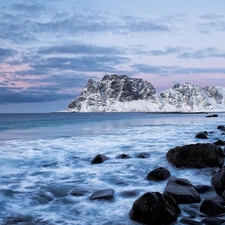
(27,126)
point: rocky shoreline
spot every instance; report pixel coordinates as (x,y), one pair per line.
(201,204)
(179,202)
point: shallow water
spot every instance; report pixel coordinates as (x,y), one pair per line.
(46,156)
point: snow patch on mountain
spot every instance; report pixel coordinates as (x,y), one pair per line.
(116,93)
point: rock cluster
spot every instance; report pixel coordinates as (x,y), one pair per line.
(155,208)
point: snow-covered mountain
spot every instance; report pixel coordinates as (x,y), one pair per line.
(116,93)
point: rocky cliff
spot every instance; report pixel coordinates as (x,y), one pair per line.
(116,93)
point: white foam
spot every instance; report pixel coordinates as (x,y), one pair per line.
(29,166)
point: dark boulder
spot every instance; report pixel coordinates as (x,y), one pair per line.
(211,208)
(221,127)
(123,156)
(155,208)
(182,191)
(223,195)
(219,199)
(100,158)
(201,189)
(212,115)
(212,221)
(130,193)
(143,155)
(189,221)
(202,135)
(196,156)
(218,181)
(78,192)
(219,142)
(106,194)
(20,219)
(158,174)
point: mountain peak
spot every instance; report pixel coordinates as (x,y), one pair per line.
(121,93)
(114,77)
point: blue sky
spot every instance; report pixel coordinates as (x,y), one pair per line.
(50,48)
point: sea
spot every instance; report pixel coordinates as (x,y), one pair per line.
(46,157)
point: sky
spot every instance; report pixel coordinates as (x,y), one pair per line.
(51,48)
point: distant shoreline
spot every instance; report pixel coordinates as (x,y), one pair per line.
(213,112)
(59,112)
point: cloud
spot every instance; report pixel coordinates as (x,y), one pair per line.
(167,51)
(169,70)
(27,8)
(211,23)
(30,23)
(5,53)
(211,17)
(198,70)
(82,63)
(80,49)
(50,88)
(30,96)
(180,17)
(144,68)
(181,52)
(203,53)
(81,24)
(15,29)
(137,25)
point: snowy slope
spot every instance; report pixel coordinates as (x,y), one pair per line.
(124,94)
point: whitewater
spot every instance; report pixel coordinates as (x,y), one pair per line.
(45,157)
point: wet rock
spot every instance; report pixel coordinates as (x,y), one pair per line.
(218,181)
(129,194)
(189,221)
(100,158)
(201,189)
(123,156)
(77,192)
(193,213)
(50,164)
(219,142)
(221,127)
(182,191)
(223,194)
(199,155)
(219,199)
(211,208)
(212,221)
(212,115)
(155,208)
(202,135)
(42,198)
(106,194)
(158,174)
(9,192)
(143,155)
(57,190)
(20,219)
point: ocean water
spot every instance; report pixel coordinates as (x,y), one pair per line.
(44,157)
